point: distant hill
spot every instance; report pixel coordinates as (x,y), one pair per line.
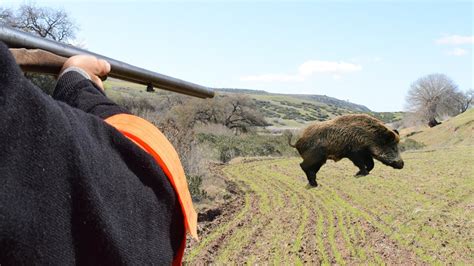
(243,91)
(335,102)
(280,110)
(308,97)
(296,110)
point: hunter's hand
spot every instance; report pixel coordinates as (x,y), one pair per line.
(95,68)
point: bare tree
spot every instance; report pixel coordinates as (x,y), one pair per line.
(240,113)
(44,22)
(466,100)
(433,96)
(6,16)
(236,112)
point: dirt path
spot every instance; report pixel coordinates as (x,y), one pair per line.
(279,220)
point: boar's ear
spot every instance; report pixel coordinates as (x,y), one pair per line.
(393,136)
(396,131)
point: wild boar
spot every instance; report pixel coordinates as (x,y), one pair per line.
(358,137)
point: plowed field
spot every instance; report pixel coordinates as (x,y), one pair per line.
(422,214)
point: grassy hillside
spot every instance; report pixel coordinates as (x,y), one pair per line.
(280,110)
(456,131)
(115,88)
(297,110)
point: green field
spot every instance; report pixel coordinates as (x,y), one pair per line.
(421,214)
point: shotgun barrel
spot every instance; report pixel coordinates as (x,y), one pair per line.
(18,39)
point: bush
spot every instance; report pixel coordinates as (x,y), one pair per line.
(136,105)
(194,185)
(411,144)
(206,129)
(227,147)
(45,82)
(227,153)
(179,130)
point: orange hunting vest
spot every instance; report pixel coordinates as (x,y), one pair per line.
(150,139)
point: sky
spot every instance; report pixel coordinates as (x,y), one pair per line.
(365,52)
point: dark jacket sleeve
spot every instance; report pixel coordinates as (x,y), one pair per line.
(81,93)
(74,190)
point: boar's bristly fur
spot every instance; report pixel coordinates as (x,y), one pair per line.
(359,137)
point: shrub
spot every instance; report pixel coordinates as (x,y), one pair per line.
(179,131)
(411,144)
(45,82)
(194,185)
(227,153)
(136,105)
(413,133)
(227,147)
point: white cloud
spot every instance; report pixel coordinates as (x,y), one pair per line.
(456,40)
(308,69)
(457,52)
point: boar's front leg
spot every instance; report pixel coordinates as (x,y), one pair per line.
(363,160)
(369,162)
(310,167)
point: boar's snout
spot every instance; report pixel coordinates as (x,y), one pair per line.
(398,164)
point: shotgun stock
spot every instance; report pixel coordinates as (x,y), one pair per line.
(47,56)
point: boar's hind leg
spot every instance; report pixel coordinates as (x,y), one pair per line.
(363,160)
(310,168)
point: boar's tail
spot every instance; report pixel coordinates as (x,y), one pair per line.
(289,135)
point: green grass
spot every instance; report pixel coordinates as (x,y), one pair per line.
(116,83)
(204,242)
(457,131)
(421,208)
(425,209)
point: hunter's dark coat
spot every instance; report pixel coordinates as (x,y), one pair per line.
(72,188)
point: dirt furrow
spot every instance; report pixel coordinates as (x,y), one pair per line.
(211,244)
(315,204)
(221,231)
(334,243)
(343,243)
(282,237)
(288,223)
(242,247)
(309,252)
(385,232)
(285,222)
(343,237)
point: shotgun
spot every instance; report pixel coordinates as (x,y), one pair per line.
(36,54)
